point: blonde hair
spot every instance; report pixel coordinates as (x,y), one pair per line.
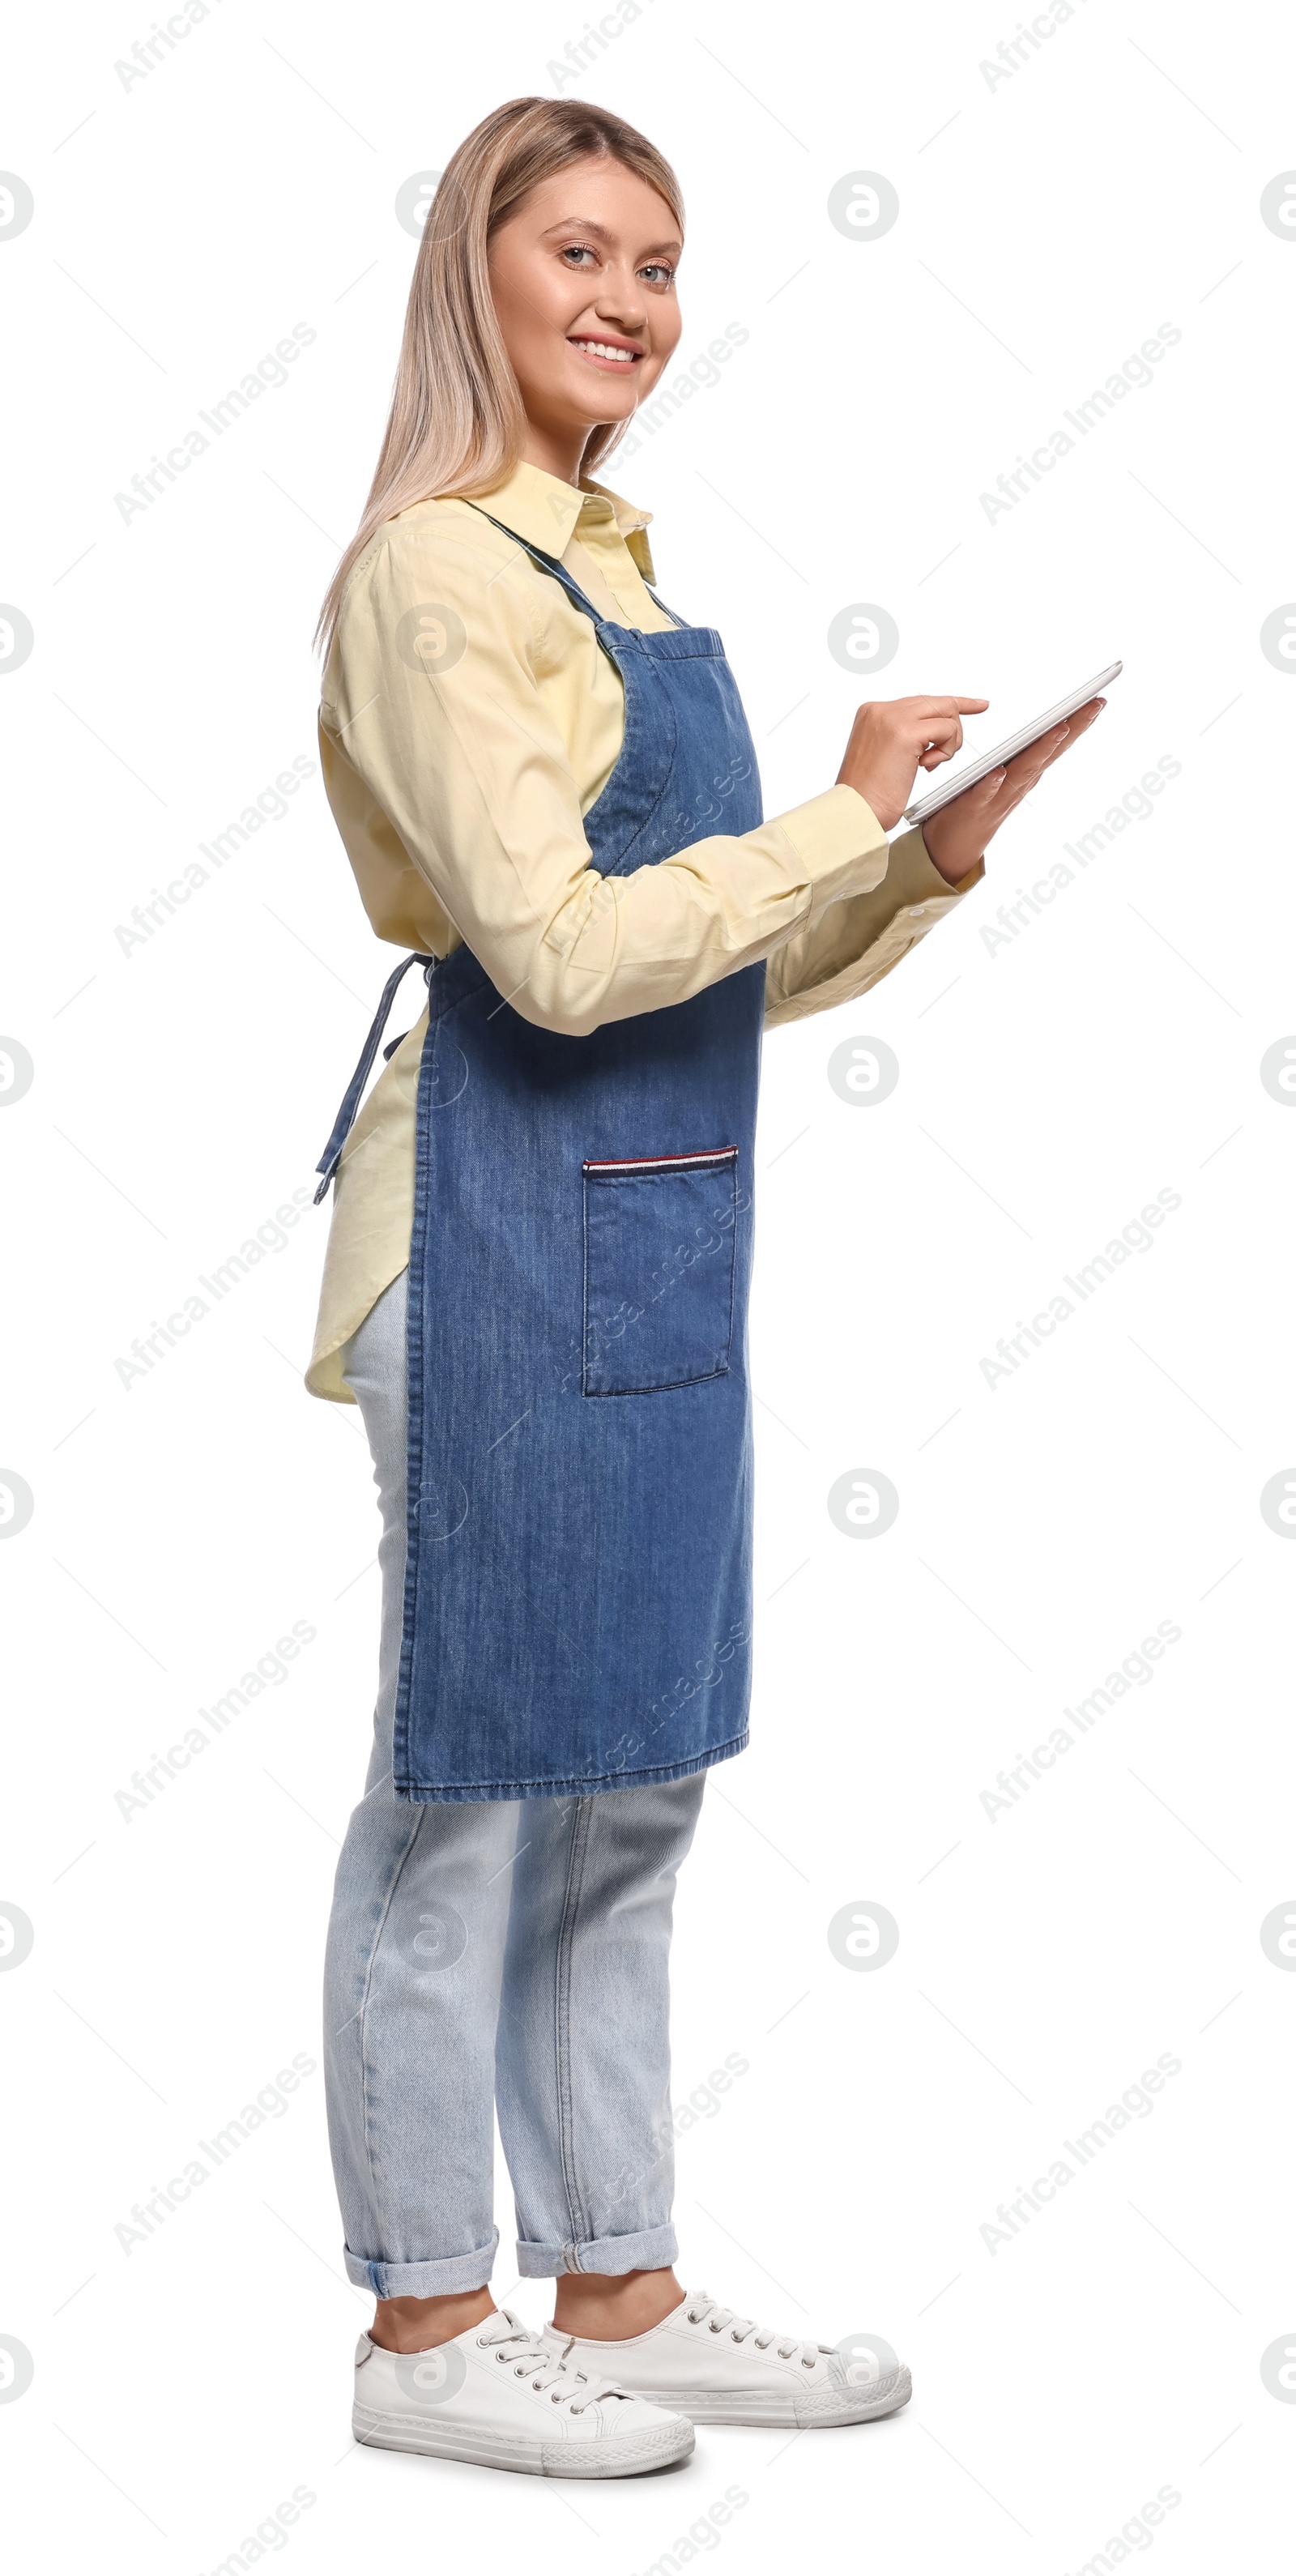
(456,422)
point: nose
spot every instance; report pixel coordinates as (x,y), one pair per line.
(621,298)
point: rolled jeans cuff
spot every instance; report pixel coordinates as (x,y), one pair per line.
(426,2280)
(650,2251)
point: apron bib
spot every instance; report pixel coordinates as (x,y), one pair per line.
(578,1564)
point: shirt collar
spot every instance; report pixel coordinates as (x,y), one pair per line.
(548,513)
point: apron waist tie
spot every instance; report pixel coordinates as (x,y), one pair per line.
(332,1154)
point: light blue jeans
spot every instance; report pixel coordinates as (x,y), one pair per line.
(507,1954)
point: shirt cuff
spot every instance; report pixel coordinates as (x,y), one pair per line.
(842,848)
(851,948)
(916,878)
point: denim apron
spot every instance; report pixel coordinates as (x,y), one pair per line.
(578,1565)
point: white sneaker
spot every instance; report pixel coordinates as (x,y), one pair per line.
(718,2368)
(509,2399)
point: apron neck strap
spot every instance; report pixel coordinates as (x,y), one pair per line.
(548,563)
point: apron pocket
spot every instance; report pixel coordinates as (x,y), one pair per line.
(659,1271)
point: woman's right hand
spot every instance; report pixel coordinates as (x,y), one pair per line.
(892,739)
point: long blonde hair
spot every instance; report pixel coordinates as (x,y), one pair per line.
(456,422)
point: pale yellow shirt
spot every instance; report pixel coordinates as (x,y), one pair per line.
(468,721)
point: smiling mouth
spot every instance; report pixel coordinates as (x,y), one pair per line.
(607,353)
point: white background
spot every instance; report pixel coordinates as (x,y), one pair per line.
(1049,1088)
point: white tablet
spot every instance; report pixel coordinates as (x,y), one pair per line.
(951,787)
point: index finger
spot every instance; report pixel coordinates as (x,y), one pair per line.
(953,706)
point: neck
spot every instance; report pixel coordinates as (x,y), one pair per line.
(555,451)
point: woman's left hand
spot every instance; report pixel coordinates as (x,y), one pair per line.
(956,837)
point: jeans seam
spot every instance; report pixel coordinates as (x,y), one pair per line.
(562,2022)
(372,2162)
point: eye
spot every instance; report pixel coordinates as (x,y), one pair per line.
(579,251)
(659,273)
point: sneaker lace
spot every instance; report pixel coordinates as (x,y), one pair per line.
(542,2358)
(703,2310)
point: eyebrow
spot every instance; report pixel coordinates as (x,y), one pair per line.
(600,233)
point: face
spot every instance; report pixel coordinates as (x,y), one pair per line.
(583,277)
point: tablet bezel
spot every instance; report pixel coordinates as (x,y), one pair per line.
(952,787)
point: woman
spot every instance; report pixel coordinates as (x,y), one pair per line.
(536,1291)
